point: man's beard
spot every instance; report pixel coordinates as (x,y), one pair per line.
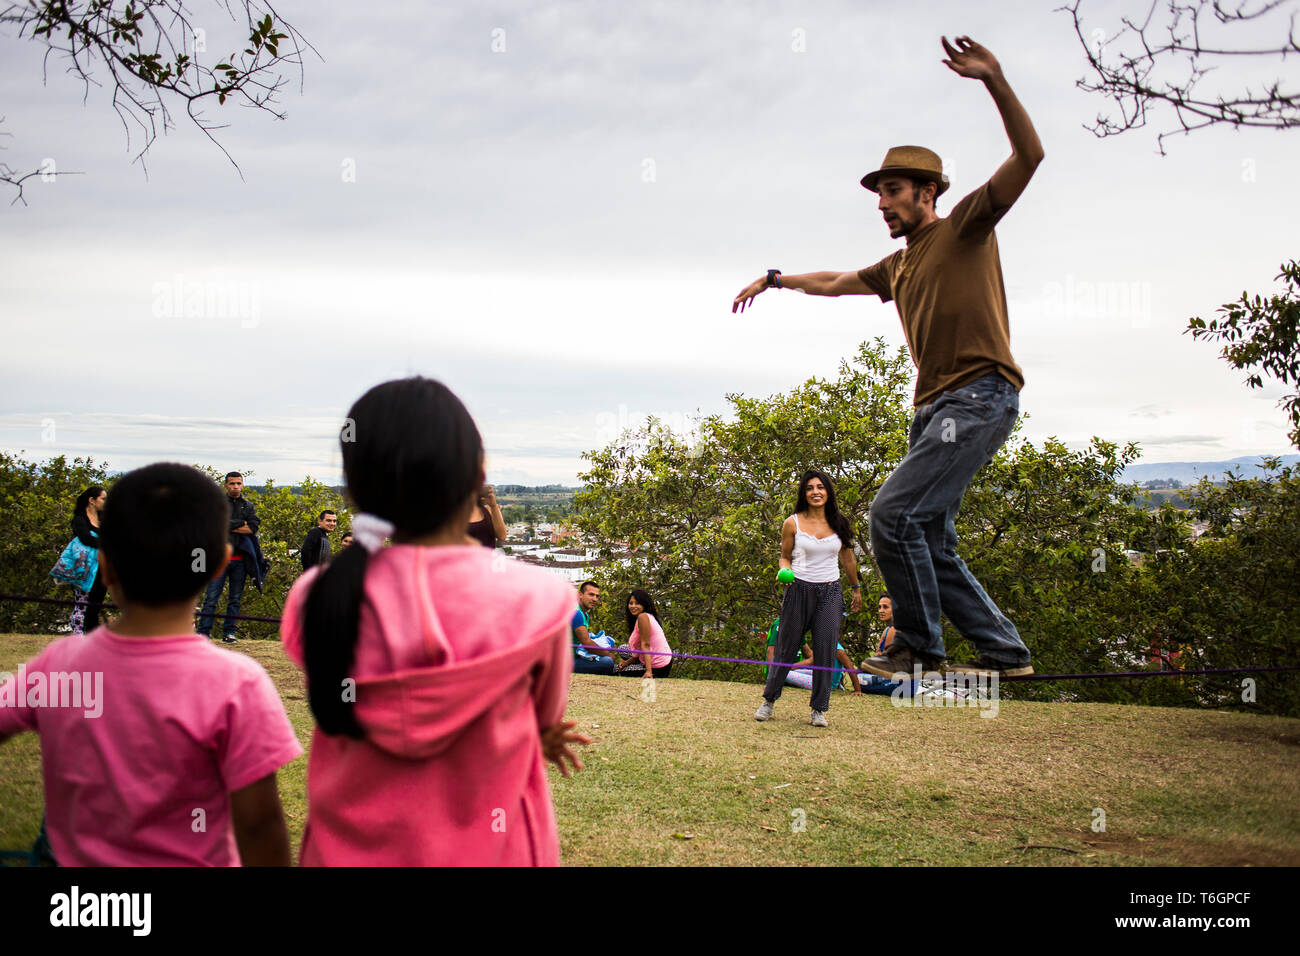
(903,228)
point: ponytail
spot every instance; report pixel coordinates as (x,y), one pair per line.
(331,615)
(411,457)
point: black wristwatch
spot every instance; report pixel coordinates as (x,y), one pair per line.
(772,279)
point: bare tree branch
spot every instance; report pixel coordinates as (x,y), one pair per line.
(153,51)
(1148,65)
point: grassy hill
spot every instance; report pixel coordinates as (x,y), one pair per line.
(692,779)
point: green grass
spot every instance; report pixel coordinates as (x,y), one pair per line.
(692,779)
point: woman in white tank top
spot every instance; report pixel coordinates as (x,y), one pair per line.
(816,543)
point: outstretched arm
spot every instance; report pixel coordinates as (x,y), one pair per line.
(814,283)
(969,59)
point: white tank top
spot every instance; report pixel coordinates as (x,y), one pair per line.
(816,560)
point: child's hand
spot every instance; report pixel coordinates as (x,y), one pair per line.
(555,745)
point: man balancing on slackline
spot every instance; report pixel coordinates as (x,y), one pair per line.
(947,285)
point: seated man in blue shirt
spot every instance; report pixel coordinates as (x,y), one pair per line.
(591,657)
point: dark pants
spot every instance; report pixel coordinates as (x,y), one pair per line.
(637,669)
(816,606)
(236,573)
(87,605)
(98,590)
(601,665)
(913,538)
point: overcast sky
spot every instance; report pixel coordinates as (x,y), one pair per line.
(556,229)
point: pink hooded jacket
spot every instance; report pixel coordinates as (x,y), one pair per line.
(462,656)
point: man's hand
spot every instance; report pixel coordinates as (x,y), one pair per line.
(970,59)
(748,294)
(555,745)
(243,529)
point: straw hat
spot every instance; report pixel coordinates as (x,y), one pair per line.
(915,162)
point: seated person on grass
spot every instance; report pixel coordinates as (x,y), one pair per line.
(147,729)
(800,676)
(871,684)
(592,657)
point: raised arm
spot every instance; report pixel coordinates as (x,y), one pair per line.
(971,60)
(494,514)
(813,283)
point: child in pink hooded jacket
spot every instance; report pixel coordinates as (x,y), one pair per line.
(437,670)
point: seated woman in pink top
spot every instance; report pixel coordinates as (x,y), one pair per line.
(437,674)
(646,636)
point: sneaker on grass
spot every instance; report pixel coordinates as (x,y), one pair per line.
(764,711)
(818,719)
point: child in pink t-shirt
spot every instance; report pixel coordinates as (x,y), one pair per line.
(158,748)
(437,670)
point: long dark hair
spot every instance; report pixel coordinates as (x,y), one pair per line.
(839,524)
(647,607)
(84,499)
(411,455)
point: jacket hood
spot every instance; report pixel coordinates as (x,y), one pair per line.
(417,714)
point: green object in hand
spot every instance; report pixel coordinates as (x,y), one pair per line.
(785,576)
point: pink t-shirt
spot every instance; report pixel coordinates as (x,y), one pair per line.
(658,642)
(159,729)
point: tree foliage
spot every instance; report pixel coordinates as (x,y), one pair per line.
(37,498)
(1044,528)
(1231,600)
(1262,334)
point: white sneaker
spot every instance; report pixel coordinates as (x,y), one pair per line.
(765,711)
(818,719)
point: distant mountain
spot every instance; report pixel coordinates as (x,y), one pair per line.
(1189,472)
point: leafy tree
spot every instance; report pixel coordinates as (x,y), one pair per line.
(37,500)
(153,52)
(1262,335)
(1044,528)
(1230,599)
(38,497)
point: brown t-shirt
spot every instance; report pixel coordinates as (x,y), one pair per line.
(947,284)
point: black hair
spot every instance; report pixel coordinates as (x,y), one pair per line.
(839,524)
(84,499)
(917,185)
(588,584)
(647,606)
(327,511)
(233,474)
(164,530)
(411,455)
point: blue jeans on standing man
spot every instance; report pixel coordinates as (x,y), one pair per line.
(913,539)
(236,572)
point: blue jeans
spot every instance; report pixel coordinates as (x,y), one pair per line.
(236,572)
(602,665)
(913,539)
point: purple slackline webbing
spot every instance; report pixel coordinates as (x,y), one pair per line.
(745,660)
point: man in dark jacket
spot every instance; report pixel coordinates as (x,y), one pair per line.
(245,551)
(316,546)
